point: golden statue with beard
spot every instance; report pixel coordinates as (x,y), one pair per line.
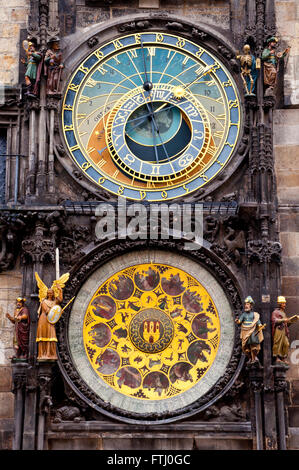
(46,334)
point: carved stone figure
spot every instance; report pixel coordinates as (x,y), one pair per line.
(33,64)
(280,330)
(21,320)
(233,412)
(46,334)
(68,413)
(211,228)
(251,330)
(235,243)
(271,59)
(249,71)
(54,66)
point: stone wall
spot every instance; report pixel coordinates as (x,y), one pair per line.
(10,288)
(286,141)
(13,17)
(213,12)
(287,16)
(286,148)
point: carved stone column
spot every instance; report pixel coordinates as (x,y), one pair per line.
(29,429)
(256,383)
(32,108)
(281,387)
(19,377)
(264,257)
(52,106)
(38,256)
(45,401)
(263,249)
(41,180)
(37,250)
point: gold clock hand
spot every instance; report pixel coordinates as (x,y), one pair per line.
(204,72)
(161,107)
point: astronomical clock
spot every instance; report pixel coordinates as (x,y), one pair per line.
(150,116)
(138,166)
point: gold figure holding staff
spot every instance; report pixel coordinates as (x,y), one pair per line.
(280,331)
(50,299)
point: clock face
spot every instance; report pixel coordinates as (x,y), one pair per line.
(151,116)
(150,332)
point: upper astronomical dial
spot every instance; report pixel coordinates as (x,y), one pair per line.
(181,130)
(151,116)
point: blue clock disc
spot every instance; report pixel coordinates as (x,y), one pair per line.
(151,116)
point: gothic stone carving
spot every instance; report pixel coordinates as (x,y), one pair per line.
(41,243)
(264,251)
(68,413)
(141,25)
(71,242)
(92,42)
(227,238)
(12,226)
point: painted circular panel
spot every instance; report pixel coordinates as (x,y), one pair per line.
(151,116)
(151,332)
(150,349)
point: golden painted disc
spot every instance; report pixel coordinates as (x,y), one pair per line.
(151,331)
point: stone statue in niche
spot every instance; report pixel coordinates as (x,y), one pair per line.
(21,320)
(271,60)
(280,331)
(249,70)
(49,313)
(251,330)
(53,68)
(33,64)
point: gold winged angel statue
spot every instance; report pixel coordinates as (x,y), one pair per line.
(49,313)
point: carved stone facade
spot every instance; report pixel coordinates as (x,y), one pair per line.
(250,224)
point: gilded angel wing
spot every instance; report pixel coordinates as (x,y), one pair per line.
(42,288)
(60,283)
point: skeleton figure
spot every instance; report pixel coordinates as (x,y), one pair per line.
(248,70)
